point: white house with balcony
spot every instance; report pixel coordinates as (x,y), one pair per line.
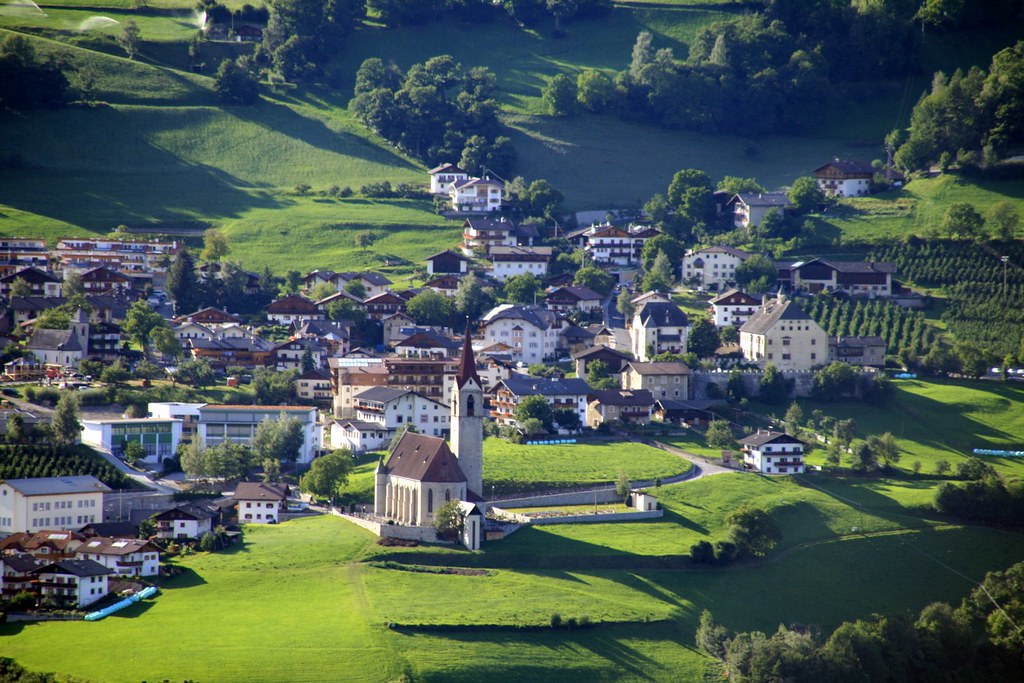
(751,208)
(123,556)
(561,394)
(712,267)
(72,583)
(733,307)
(511,261)
(381,411)
(845,178)
(531,332)
(477,195)
(773,453)
(444,176)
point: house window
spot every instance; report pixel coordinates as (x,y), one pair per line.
(430,500)
(470,406)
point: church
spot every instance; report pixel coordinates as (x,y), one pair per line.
(422,472)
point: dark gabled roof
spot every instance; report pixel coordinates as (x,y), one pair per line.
(664,367)
(374,278)
(387,296)
(524,385)
(102,545)
(467,363)
(764,318)
(850,266)
(540,318)
(293,303)
(110,529)
(315,373)
(31,275)
(578,333)
(258,490)
(446,168)
(446,252)
(763,437)
(599,351)
(362,425)
(722,249)
(23,563)
(424,458)
(661,314)
(428,339)
(517,253)
(778,199)
(574,293)
(745,299)
(79,568)
(847,166)
(623,397)
(489,224)
(54,340)
(857,342)
(54,486)
(103,274)
(382,394)
(187,511)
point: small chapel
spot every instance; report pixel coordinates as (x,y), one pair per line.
(423,473)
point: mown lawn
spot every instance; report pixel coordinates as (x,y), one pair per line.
(511,467)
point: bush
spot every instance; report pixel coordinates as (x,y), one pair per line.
(556,620)
(726,552)
(702,552)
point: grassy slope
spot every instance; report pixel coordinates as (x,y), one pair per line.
(247,614)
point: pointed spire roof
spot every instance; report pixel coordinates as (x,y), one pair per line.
(467,365)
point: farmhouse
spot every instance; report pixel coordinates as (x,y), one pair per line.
(845,178)
(447,262)
(72,583)
(780,333)
(50,502)
(858,278)
(733,307)
(510,261)
(713,267)
(569,299)
(659,328)
(664,379)
(259,502)
(773,453)
(42,282)
(293,309)
(190,520)
(123,556)
(615,360)
(750,209)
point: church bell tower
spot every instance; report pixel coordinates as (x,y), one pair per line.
(467,420)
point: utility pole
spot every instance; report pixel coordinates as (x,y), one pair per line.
(1005,260)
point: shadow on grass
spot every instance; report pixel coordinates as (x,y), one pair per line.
(188,579)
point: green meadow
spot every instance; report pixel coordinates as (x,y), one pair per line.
(298,601)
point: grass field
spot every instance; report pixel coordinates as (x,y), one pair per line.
(510,467)
(295,603)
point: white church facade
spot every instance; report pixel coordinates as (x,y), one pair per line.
(422,473)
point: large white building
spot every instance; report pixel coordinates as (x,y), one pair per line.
(713,267)
(733,307)
(531,332)
(511,261)
(50,503)
(159,437)
(478,195)
(381,411)
(442,177)
(845,178)
(73,583)
(773,453)
(219,423)
(780,333)
(657,328)
(123,556)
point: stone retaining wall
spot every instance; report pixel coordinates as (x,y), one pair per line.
(424,534)
(592,518)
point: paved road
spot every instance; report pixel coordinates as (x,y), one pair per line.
(701,466)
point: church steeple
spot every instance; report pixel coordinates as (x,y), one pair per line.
(467,364)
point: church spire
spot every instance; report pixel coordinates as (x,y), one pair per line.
(467,365)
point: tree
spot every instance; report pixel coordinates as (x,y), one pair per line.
(756,274)
(624,304)
(532,427)
(355,288)
(522,289)
(308,363)
(734,387)
(470,298)
(215,246)
(594,278)
(559,96)
(448,519)
(535,407)
(328,474)
(20,287)
(145,369)
(672,247)
(164,340)
(271,470)
(279,439)
(864,458)
(623,486)
(364,240)
(834,380)
(844,431)
(774,387)
(134,451)
(115,373)
(182,284)
(963,220)
(542,199)
(734,185)
(1004,217)
(703,339)
(753,530)
(688,178)
(805,195)
(719,435)
(193,457)
(561,9)
(195,373)
(567,419)
(234,84)
(273,388)
(594,91)
(65,425)
(884,448)
(999,603)
(794,416)
(712,637)
(129,38)
(430,308)
(140,321)
(661,276)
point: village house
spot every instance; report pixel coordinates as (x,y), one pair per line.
(16,573)
(780,333)
(561,394)
(349,376)
(334,335)
(396,327)
(510,261)
(380,306)
(447,262)
(569,299)
(664,379)
(208,316)
(293,309)
(314,385)
(50,502)
(373,283)
(123,556)
(750,208)
(733,307)
(658,328)
(482,234)
(845,178)
(47,544)
(381,411)
(444,176)
(159,437)
(220,353)
(218,423)
(72,583)
(288,355)
(260,502)
(65,348)
(132,256)
(41,282)
(102,280)
(614,245)
(614,405)
(477,195)
(191,520)
(446,284)
(615,360)
(858,351)
(105,307)
(531,332)
(105,341)
(773,453)
(857,278)
(426,344)
(641,300)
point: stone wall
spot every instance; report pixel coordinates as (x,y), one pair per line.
(583,518)
(424,534)
(599,496)
(803,382)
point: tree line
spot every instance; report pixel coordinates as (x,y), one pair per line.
(31,460)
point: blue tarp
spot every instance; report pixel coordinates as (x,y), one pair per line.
(1005,454)
(107,611)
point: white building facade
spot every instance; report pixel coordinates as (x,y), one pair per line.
(50,503)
